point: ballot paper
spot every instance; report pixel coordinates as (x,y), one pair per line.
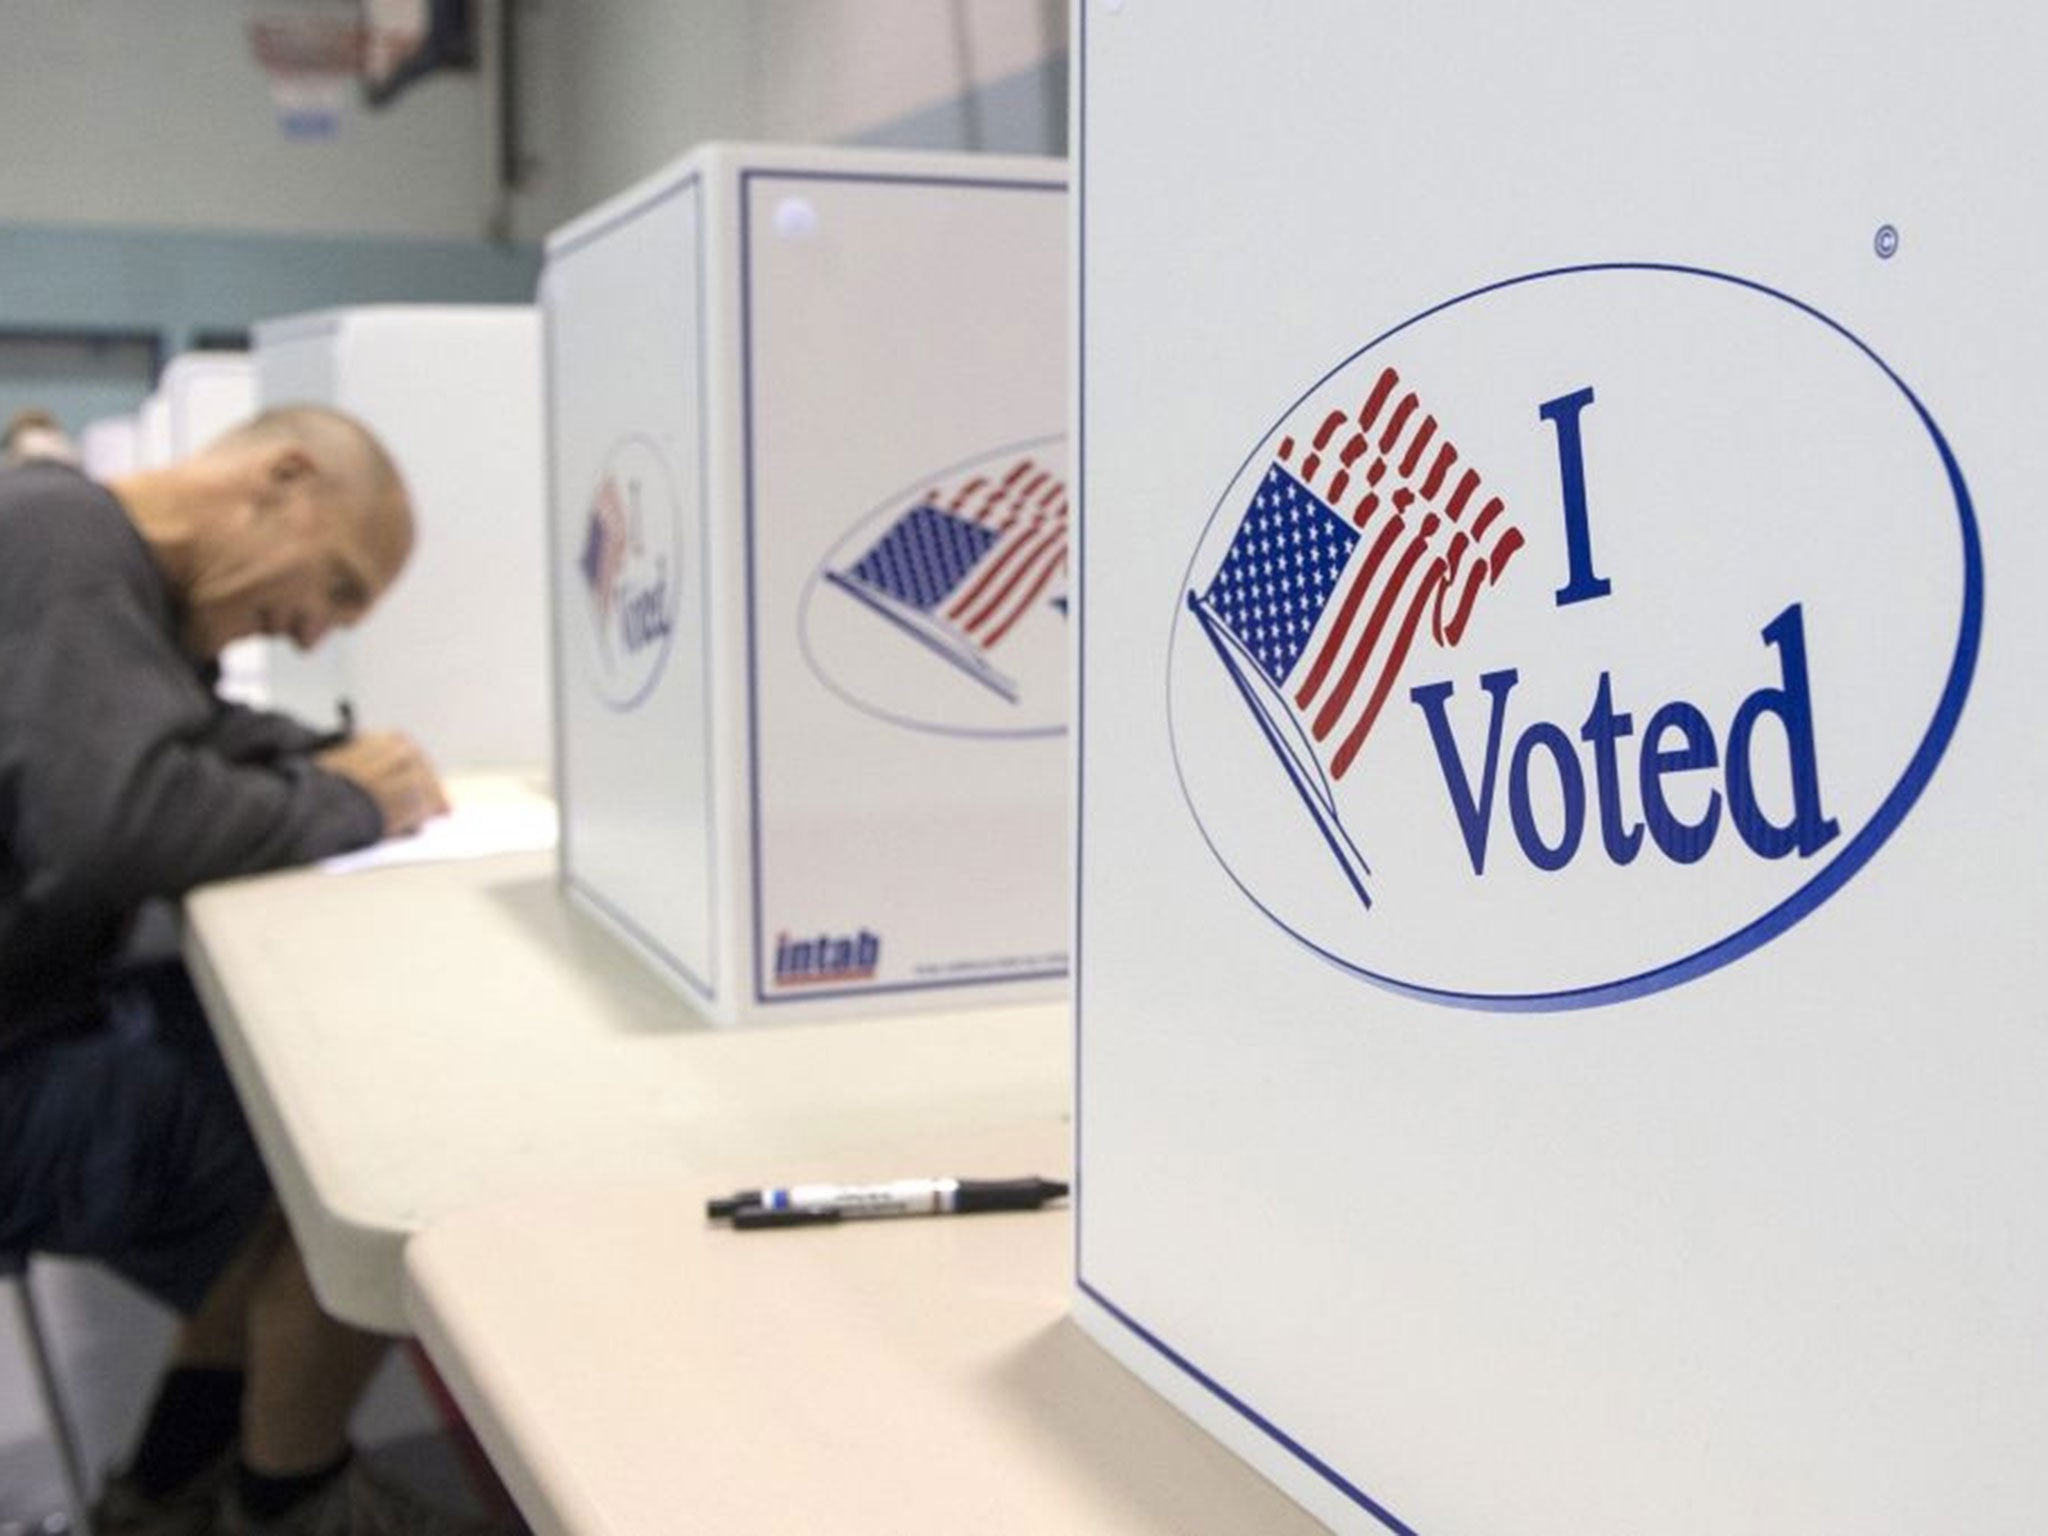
(467,832)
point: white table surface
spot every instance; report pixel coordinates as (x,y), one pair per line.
(634,1369)
(411,1041)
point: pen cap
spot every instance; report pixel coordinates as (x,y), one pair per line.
(727,1205)
(1026,1194)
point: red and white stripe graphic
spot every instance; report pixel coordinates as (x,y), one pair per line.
(610,541)
(1430,537)
(1027,507)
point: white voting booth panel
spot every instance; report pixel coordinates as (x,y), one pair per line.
(455,654)
(1559,979)
(202,395)
(206,393)
(153,432)
(807,415)
(111,446)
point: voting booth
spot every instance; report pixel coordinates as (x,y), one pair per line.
(111,446)
(153,432)
(204,394)
(455,655)
(1560,877)
(199,396)
(807,414)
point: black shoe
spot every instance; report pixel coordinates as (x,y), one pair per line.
(358,1502)
(122,1509)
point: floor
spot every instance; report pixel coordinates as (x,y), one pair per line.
(107,1340)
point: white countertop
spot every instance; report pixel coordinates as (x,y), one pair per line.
(633,1368)
(412,1040)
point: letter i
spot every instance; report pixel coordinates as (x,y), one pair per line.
(1563,414)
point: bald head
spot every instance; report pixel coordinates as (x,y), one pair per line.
(288,525)
(351,475)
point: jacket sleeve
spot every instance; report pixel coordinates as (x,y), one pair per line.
(121,795)
(244,735)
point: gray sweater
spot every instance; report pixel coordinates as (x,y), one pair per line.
(122,776)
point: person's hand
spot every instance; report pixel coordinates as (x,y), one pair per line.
(395,773)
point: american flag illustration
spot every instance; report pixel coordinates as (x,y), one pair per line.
(1355,544)
(961,568)
(606,540)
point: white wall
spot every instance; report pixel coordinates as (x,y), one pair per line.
(631,84)
(133,113)
(154,112)
(825,71)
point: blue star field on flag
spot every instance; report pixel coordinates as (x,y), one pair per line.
(924,556)
(1285,561)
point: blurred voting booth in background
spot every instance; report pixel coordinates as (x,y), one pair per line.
(1560,876)
(456,653)
(153,431)
(111,446)
(199,396)
(205,393)
(809,556)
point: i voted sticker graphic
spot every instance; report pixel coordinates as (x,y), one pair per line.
(944,608)
(1575,637)
(624,554)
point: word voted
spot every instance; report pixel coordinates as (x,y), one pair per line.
(1678,738)
(643,614)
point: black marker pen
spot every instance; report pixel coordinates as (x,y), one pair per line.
(803,1203)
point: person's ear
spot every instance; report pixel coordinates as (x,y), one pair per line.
(288,464)
(282,473)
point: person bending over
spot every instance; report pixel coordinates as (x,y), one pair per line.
(124,778)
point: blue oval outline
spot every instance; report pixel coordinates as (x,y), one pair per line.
(1796,907)
(815,580)
(627,705)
